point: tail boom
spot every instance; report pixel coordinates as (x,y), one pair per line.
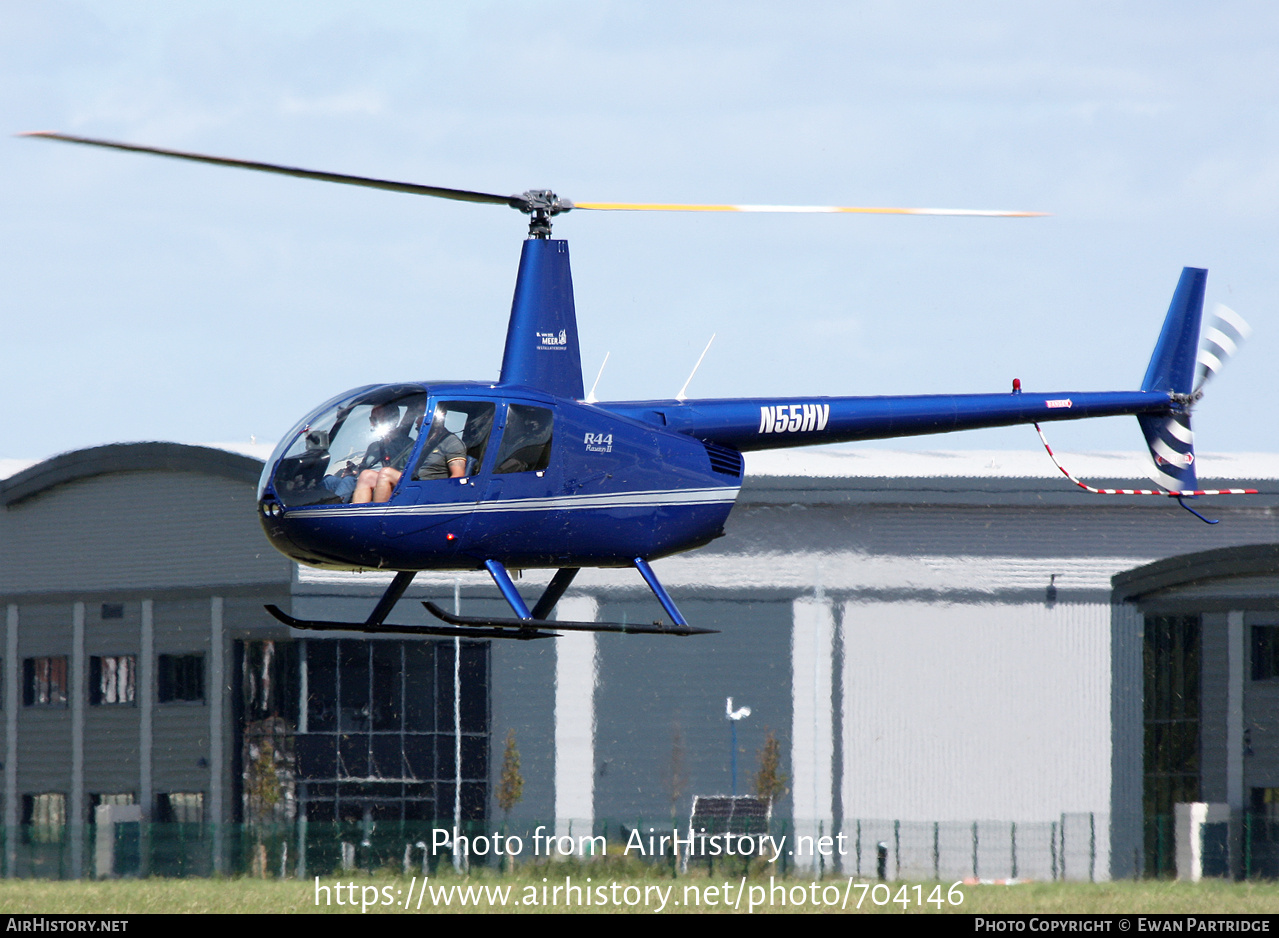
(770,423)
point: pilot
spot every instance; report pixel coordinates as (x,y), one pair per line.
(392,451)
(343,482)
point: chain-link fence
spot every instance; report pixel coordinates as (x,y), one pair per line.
(1073,847)
(981,850)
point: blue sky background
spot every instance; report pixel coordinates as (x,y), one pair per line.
(146,299)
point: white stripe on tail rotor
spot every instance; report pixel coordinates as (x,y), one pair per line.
(1220,342)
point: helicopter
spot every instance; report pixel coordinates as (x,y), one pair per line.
(531,472)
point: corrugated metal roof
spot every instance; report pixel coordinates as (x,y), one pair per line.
(126,457)
(846,461)
(836,570)
(858,462)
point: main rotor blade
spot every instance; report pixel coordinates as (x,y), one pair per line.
(524,202)
(459,195)
(801,209)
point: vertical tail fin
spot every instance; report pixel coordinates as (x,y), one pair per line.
(541,339)
(1172,369)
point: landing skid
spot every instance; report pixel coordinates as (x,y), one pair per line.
(508,625)
(524,626)
(524,632)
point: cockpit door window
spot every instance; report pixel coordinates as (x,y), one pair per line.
(457,440)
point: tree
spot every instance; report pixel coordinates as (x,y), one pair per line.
(510,788)
(770,780)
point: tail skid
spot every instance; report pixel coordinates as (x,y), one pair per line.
(1167,493)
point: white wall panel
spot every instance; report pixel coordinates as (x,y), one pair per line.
(812,742)
(575,679)
(963,712)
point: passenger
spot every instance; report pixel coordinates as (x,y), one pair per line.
(528,437)
(445,460)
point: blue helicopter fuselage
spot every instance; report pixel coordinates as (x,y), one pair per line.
(622,480)
(613,488)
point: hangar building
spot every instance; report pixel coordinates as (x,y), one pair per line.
(947,646)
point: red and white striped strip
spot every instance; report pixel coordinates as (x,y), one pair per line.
(1164,492)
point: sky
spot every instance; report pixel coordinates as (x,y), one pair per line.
(145,299)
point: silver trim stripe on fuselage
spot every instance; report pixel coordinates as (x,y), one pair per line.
(661,498)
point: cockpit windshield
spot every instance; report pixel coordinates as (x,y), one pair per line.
(374,429)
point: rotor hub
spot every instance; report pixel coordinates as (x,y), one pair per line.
(541,205)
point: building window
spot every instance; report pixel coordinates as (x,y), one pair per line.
(180,677)
(44,682)
(99,799)
(1265,652)
(380,737)
(112,680)
(180,807)
(44,817)
(113,610)
(268,718)
(119,797)
(1172,661)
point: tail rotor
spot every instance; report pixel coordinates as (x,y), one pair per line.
(1171,441)
(1220,343)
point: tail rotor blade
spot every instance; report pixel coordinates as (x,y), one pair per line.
(1221,340)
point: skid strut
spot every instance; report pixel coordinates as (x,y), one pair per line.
(527,624)
(554,591)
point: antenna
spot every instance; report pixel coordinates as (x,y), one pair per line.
(591,398)
(681,396)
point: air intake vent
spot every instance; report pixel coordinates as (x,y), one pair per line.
(725,460)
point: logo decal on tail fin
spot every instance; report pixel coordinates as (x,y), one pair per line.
(551,340)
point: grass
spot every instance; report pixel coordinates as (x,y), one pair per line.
(694,892)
